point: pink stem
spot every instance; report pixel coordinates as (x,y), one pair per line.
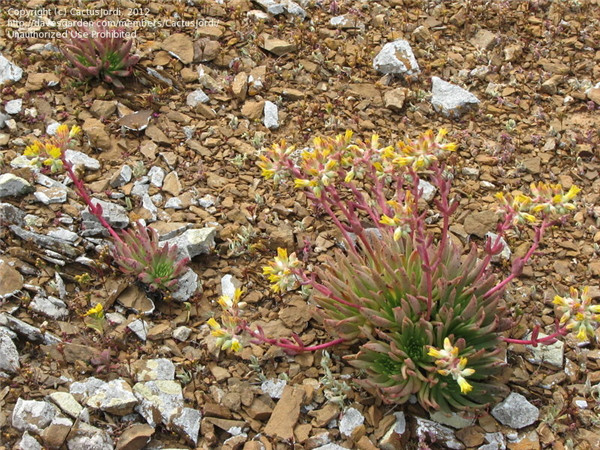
(286,344)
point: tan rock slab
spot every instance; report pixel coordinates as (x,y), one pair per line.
(253,109)
(278,47)
(11,280)
(96,133)
(171,184)
(37,81)
(135,437)
(180,46)
(285,415)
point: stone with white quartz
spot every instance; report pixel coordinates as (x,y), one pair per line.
(88,437)
(9,355)
(50,196)
(516,411)
(13,106)
(451,100)
(197,241)
(427,429)
(396,57)
(114,397)
(27,442)
(27,331)
(505,252)
(271,115)
(351,419)
(81,159)
(156,175)
(154,369)
(13,186)
(67,403)
(122,177)
(273,387)
(162,396)
(186,422)
(51,307)
(139,328)
(9,71)
(196,97)
(87,387)
(182,333)
(187,285)
(114,214)
(552,354)
(32,415)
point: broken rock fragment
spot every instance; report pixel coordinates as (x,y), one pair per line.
(396,58)
(451,100)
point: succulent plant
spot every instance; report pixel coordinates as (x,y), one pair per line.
(99,52)
(139,253)
(401,357)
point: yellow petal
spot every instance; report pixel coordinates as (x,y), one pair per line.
(465,387)
(213,324)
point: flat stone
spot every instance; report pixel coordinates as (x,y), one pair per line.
(87,387)
(50,196)
(114,214)
(186,422)
(451,100)
(278,47)
(285,414)
(51,307)
(32,415)
(182,333)
(14,186)
(273,387)
(133,297)
(140,328)
(153,369)
(180,46)
(396,58)
(67,403)
(11,281)
(97,134)
(427,189)
(55,435)
(81,159)
(159,400)
(9,71)
(196,97)
(453,420)
(38,81)
(515,411)
(9,355)
(29,332)
(552,354)
(253,110)
(171,184)
(156,175)
(394,99)
(135,437)
(197,241)
(480,223)
(505,253)
(484,40)
(114,397)
(239,86)
(271,6)
(102,109)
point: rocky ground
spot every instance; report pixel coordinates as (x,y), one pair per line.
(512,81)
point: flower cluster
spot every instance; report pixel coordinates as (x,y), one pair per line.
(281,271)
(99,52)
(450,363)
(577,313)
(421,153)
(49,153)
(546,201)
(227,332)
(402,214)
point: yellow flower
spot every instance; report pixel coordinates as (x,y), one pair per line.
(75,130)
(465,387)
(236,346)
(217,331)
(34,149)
(97,311)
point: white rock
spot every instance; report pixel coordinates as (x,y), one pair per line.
(182,333)
(32,415)
(67,403)
(154,369)
(427,190)
(196,97)
(64,234)
(81,159)
(351,419)
(50,196)
(552,354)
(271,115)
(124,177)
(30,332)
(228,285)
(187,423)
(271,6)
(12,186)
(273,387)
(149,206)
(114,397)
(9,355)
(451,100)
(387,60)
(86,388)
(27,442)
(9,71)
(516,411)
(174,203)
(156,175)
(186,286)
(51,307)
(140,328)
(13,106)
(195,242)
(162,396)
